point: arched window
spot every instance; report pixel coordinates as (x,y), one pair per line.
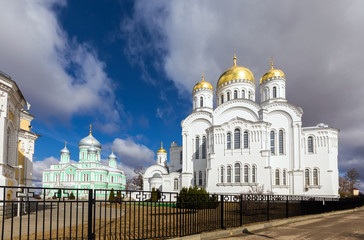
(200,178)
(277,177)
(246,139)
(246,173)
(235,94)
(228,173)
(228,96)
(272,142)
(284,177)
(274,92)
(310,144)
(307,177)
(254,174)
(203,147)
(222,174)
(222,99)
(228,140)
(315,177)
(197,154)
(281,142)
(249,95)
(237,172)
(175,185)
(243,94)
(194,179)
(237,138)
(201,101)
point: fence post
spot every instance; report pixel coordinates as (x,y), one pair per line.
(267,207)
(90,234)
(241,209)
(222,211)
(287,206)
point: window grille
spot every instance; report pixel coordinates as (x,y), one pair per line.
(246,139)
(222,174)
(175,184)
(315,177)
(228,173)
(254,174)
(237,172)
(203,147)
(237,138)
(246,173)
(284,177)
(272,142)
(307,177)
(200,178)
(228,141)
(194,179)
(280,142)
(310,144)
(277,177)
(197,155)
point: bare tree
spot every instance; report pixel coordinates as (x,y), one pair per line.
(348,183)
(136,182)
(353,178)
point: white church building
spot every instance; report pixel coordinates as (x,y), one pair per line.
(244,145)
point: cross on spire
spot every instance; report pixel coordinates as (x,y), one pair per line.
(234,58)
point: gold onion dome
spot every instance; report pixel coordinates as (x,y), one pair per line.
(202,84)
(162,150)
(235,72)
(272,73)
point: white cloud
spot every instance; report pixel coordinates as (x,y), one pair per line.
(58,76)
(132,155)
(40,166)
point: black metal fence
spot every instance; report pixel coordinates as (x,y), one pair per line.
(107,214)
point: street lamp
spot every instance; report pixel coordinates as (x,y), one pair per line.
(19,168)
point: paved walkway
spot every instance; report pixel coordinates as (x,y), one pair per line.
(348,225)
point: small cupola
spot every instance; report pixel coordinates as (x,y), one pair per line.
(273,85)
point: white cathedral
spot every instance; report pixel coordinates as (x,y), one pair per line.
(246,146)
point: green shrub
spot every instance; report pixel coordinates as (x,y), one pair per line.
(156,195)
(112,196)
(72,196)
(118,197)
(196,198)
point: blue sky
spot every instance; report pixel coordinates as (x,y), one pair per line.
(128,67)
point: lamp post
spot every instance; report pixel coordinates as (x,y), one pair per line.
(19,199)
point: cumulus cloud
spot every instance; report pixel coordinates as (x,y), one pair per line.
(59,76)
(318,44)
(132,154)
(40,166)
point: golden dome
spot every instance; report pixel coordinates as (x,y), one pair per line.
(272,73)
(162,150)
(202,84)
(235,72)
